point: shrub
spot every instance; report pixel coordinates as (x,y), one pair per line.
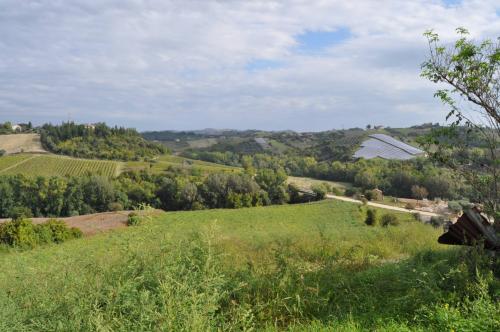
(454,206)
(133,219)
(19,233)
(20,212)
(465,204)
(336,191)
(60,232)
(368,194)
(437,221)
(410,206)
(373,195)
(115,206)
(76,233)
(371,217)
(390,219)
(23,233)
(351,192)
(319,191)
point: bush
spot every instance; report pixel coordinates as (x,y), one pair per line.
(19,233)
(410,206)
(368,194)
(20,212)
(319,191)
(23,233)
(390,219)
(133,219)
(437,221)
(454,206)
(371,217)
(60,232)
(351,192)
(115,206)
(336,191)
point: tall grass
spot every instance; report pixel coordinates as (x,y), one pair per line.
(313,267)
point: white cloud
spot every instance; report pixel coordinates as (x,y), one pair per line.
(182,64)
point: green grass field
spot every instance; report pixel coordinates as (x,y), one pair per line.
(6,162)
(52,165)
(163,163)
(307,183)
(311,267)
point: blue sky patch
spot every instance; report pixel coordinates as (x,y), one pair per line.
(318,41)
(451,3)
(263,64)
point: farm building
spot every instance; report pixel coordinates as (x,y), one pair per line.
(386,147)
(17,128)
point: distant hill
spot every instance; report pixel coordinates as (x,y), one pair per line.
(323,146)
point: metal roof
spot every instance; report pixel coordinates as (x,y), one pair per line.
(392,141)
(386,147)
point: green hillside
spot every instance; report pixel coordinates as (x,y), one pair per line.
(165,162)
(303,267)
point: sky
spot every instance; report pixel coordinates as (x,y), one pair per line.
(305,65)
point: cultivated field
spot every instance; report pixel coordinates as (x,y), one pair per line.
(51,165)
(163,163)
(307,183)
(18,143)
(310,267)
(202,143)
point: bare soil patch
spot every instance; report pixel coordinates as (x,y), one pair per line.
(92,224)
(18,143)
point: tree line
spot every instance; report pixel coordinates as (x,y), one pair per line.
(71,196)
(393,177)
(98,141)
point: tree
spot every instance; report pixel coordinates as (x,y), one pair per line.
(419,192)
(471,72)
(274,183)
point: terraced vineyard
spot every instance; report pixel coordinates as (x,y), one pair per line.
(50,165)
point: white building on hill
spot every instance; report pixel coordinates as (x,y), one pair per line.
(386,147)
(16,127)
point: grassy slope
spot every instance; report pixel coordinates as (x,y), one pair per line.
(313,266)
(164,162)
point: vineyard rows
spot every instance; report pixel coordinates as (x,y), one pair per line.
(49,165)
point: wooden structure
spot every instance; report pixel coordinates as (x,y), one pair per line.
(471,228)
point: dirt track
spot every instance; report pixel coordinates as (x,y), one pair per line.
(383,206)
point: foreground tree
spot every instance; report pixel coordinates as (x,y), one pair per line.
(469,73)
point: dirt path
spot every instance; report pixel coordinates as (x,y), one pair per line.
(383,206)
(19,163)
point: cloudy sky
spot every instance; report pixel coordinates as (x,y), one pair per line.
(186,64)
